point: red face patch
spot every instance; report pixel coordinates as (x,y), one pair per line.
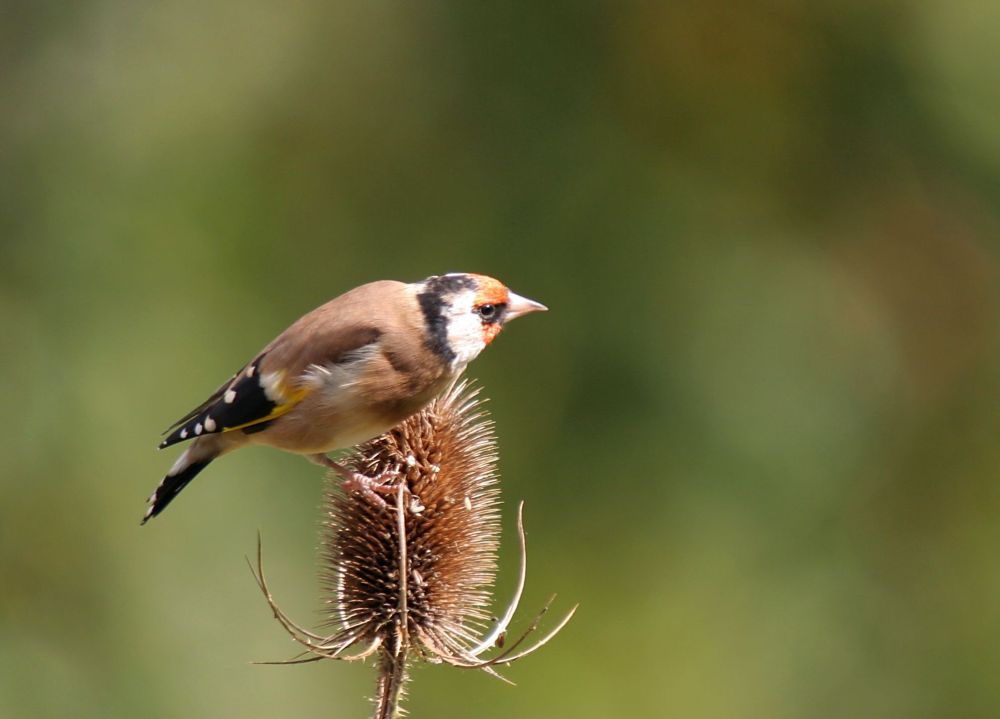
(490,331)
(490,292)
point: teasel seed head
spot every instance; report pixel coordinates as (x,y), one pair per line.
(412,575)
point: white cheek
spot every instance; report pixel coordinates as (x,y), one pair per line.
(465,335)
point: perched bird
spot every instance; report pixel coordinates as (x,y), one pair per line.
(345,373)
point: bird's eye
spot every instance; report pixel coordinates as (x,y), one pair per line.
(487,312)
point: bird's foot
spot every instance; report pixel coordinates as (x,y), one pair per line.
(372,488)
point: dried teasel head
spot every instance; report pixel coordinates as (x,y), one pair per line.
(446,456)
(412,575)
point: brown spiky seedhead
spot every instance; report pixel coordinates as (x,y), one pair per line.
(446,457)
(412,574)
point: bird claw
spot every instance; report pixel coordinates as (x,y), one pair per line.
(371,488)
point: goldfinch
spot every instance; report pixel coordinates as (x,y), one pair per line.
(345,373)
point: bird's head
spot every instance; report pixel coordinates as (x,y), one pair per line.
(465,312)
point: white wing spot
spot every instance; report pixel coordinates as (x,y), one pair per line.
(271,382)
(209,424)
(230,396)
(197,428)
(184,433)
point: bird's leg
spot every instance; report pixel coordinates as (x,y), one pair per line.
(368,487)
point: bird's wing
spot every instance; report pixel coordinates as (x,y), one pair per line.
(248,399)
(206,404)
(272,384)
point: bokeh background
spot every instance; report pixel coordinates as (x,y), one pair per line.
(757,434)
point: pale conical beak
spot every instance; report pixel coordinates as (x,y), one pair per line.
(517,306)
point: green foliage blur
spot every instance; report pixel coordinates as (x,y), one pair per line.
(757,433)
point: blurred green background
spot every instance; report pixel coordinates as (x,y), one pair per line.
(756,434)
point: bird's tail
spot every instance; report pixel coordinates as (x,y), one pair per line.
(195,458)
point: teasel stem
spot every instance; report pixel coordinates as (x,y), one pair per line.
(391,685)
(392,674)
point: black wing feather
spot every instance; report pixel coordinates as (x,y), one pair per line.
(250,403)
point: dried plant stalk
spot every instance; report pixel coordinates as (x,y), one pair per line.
(412,575)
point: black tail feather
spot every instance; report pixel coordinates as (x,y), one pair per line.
(171,486)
